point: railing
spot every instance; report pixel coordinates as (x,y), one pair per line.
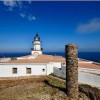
(36,50)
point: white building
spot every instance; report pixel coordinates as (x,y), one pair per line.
(34,64)
(41,64)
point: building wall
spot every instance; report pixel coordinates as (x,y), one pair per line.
(56,64)
(37,47)
(36,69)
(49,68)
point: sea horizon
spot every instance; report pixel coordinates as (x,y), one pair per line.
(92,56)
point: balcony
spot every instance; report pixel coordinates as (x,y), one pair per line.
(36,50)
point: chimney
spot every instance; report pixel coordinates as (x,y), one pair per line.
(72,71)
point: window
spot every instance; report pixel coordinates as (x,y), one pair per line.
(28,70)
(14,70)
(43,70)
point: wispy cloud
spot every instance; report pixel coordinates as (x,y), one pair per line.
(11,4)
(29,1)
(22,15)
(89,27)
(31,18)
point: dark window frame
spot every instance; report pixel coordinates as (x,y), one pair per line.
(14,70)
(28,70)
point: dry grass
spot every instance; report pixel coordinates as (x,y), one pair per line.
(91,92)
(38,88)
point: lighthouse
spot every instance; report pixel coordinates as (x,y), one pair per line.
(36,46)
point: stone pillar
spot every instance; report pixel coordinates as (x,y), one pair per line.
(72,71)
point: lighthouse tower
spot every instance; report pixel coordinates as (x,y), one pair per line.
(37,46)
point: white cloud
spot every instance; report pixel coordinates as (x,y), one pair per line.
(31,18)
(19,4)
(89,27)
(22,15)
(14,3)
(10,3)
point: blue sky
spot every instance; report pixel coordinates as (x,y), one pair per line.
(57,23)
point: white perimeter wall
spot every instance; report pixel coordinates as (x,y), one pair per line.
(60,72)
(6,70)
(85,76)
(51,66)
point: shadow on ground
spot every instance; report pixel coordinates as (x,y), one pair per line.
(61,89)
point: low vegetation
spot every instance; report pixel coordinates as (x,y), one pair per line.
(13,58)
(42,88)
(91,92)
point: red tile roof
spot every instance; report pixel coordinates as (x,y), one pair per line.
(89,65)
(42,58)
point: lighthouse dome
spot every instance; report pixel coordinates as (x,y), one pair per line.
(37,38)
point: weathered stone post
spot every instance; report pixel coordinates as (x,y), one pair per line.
(72,71)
